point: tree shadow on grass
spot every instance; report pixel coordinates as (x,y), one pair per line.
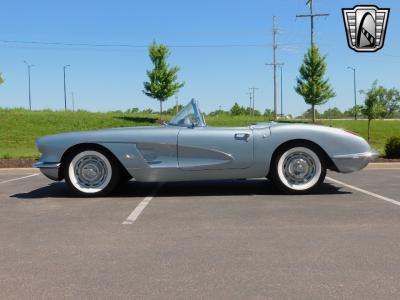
(138,119)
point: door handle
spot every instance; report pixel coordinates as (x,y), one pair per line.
(242,136)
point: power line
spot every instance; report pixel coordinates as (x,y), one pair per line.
(104,45)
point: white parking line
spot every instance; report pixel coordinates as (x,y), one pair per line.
(382,169)
(141,206)
(19,178)
(364,191)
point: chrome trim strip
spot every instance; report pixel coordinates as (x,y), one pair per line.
(45,165)
(370,154)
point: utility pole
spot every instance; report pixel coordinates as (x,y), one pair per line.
(312,15)
(253,89)
(29,66)
(65,88)
(274,64)
(250,95)
(355,92)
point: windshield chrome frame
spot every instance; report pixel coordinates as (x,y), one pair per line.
(198,114)
(200,117)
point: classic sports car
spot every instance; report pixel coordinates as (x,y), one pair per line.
(294,156)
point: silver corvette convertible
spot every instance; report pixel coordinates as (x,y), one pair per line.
(294,157)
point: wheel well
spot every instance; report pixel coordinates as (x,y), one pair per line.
(329,163)
(87,146)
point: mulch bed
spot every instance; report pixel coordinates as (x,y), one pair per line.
(17,163)
(28,162)
(386,160)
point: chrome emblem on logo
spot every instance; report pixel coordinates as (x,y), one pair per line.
(366,27)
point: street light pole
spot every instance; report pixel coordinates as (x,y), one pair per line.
(355,91)
(29,83)
(65,88)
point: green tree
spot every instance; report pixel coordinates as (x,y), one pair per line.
(237,110)
(172,111)
(355,110)
(373,106)
(147,111)
(309,113)
(311,84)
(162,82)
(269,114)
(391,102)
(133,110)
(218,112)
(256,112)
(332,113)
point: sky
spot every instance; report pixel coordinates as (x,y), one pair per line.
(202,35)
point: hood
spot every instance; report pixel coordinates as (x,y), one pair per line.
(99,135)
(100,131)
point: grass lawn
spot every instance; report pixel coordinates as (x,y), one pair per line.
(20,128)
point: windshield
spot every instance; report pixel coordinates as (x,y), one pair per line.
(189,116)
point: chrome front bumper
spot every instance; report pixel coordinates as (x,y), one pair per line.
(50,170)
(353,162)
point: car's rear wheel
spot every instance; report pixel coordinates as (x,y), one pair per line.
(91,172)
(298,169)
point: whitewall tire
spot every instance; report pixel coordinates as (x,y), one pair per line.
(91,172)
(298,169)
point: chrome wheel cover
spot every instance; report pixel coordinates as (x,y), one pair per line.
(299,168)
(90,171)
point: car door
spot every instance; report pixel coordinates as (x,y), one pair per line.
(215,148)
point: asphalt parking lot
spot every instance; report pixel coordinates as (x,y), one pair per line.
(202,240)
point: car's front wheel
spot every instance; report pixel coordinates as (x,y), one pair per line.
(298,169)
(91,172)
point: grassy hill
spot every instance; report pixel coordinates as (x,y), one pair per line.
(20,128)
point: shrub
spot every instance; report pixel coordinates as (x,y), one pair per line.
(392,147)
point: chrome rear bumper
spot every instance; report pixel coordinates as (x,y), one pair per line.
(353,162)
(50,170)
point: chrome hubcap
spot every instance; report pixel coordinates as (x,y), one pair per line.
(299,168)
(91,171)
